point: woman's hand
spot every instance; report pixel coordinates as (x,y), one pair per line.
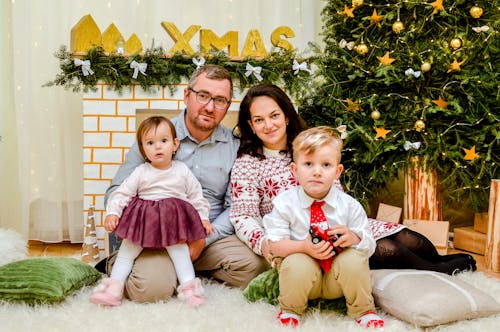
(111,222)
(346,237)
(209,228)
(266,251)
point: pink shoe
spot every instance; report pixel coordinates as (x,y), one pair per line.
(109,292)
(191,292)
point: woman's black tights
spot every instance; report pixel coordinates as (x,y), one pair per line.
(411,250)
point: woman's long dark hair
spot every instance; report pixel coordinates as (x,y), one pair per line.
(249,142)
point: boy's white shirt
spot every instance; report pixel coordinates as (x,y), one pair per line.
(290,216)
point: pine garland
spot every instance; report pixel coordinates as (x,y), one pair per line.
(169,71)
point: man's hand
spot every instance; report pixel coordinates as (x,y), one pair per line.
(111,222)
(196,248)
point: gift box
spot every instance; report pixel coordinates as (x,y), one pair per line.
(481,222)
(466,238)
(389,213)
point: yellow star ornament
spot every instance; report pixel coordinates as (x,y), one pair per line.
(438,5)
(348,12)
(470,154)
(441,103)
(381,133)
(352,105)
(455,66)
(375,18)
(386,59)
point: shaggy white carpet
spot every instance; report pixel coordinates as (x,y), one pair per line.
(225,310)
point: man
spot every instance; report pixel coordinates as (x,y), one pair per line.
(209,150)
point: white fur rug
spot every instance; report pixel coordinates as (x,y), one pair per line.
(225,310)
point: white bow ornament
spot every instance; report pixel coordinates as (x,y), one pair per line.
(85,66)
(300,66)
(410,71)
(343,44)
(138,67)
(484,28)
(409,145)
(343,131)
(199,63)
(253,70)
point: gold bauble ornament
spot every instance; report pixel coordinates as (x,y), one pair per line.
(362,49)
(357,3)
(456,43)
(398,26)
(419,125)
(425,67)
(375,115)
(476,11)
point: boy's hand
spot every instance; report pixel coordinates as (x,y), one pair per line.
(111,222)
(209,228)
(321,250)
(346,237)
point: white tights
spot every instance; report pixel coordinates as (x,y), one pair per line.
(128,252)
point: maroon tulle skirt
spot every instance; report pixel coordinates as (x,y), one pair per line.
(158,224)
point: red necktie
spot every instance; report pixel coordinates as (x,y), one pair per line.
(318,215)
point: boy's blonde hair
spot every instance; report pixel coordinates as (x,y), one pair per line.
(310,139)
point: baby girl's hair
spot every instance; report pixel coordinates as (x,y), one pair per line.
(310,139)
(152,123)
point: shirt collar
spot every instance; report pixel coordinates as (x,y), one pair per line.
(182,131)
(306,200)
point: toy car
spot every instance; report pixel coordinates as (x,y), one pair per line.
(318,234)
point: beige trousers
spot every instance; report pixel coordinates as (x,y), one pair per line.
(301,279)
(227,260)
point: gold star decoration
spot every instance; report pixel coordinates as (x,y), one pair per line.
(441,103)
(375,18)
(348,12)
(470,154)
(438,5)
(455,66)
(386,59)
(352,105)
(381,133)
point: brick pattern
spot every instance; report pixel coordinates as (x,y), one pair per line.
(109,122)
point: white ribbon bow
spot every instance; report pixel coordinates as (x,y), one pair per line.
(409,145)
(138,67)
(85,66)
(199,63)
(343,131)
(253,70)
(410,71)
(300,66)
(343,44)
(484,28)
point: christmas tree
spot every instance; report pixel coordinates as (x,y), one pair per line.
(412,79)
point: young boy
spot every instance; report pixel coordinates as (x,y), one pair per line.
(307,271)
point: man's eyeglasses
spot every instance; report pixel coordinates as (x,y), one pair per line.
(204,98)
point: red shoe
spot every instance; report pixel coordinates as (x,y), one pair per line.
(370,319)
(288,319)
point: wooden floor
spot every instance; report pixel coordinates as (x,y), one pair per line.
(37,249)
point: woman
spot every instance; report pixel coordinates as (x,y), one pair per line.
(267,124)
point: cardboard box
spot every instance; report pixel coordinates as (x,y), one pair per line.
(466,238)
(389,213)
(435,231)
(481,222)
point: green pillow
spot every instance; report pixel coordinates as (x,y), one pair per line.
(44,280)
(265,287)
